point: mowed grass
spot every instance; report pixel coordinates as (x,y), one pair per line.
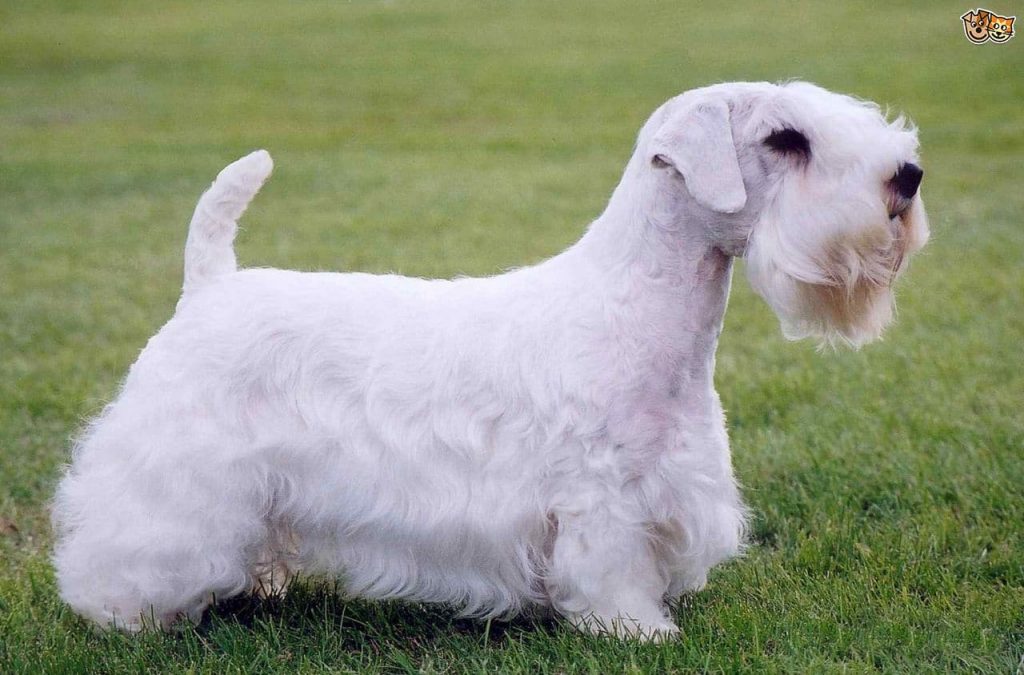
(445,138)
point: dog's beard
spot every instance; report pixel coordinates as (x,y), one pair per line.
(832,281)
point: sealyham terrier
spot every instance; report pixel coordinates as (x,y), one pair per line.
(550,437)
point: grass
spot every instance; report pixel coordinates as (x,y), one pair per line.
(441,138)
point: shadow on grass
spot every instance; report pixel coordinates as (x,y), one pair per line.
(317,608)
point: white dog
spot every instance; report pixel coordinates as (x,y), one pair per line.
(547,437)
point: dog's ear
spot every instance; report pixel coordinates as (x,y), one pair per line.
(697,142)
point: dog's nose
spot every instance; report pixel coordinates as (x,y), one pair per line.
(907,179)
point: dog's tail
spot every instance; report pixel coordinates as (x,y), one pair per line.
(209,250)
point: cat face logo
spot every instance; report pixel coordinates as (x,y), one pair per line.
(982,25)
(1000,28)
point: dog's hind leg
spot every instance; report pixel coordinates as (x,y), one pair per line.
(146,538)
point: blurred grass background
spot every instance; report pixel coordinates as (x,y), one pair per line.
(439,138)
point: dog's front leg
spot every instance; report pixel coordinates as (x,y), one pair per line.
(604,576)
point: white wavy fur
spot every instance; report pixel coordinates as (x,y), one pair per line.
(546,437)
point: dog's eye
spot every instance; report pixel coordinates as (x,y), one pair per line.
(789,142)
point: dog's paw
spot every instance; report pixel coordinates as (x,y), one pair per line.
(627,628)
(272,581)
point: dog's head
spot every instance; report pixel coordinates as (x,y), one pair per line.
(976,26)
(817,191)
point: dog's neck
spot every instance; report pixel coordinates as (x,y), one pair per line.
(674,282)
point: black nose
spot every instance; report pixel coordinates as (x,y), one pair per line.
(907,179)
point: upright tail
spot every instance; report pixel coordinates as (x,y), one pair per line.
(209,250)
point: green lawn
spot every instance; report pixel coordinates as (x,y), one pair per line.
(443,138)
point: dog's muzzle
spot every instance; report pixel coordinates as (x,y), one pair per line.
(904,186)
(907,180)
